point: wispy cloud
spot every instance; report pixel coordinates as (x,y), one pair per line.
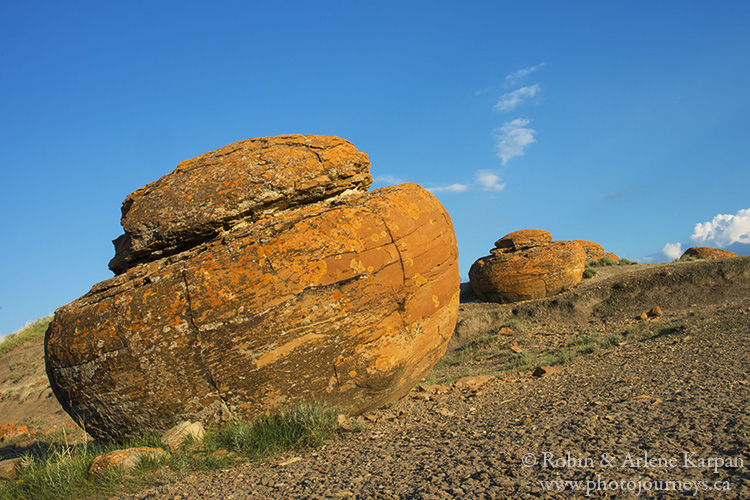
(724,229)
(672,250)
(513,138)
(511,100)
(518,76)
(453,188)
(387,180)
(484,180)
(488,180)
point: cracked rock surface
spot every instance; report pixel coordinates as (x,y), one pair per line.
(255,276)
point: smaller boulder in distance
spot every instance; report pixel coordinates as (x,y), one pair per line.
(706,253)
(527,265)
(594,251)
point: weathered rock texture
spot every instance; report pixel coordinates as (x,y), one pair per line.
(707,253)
(594,251)
(236,183)
(527,265)
(525,238)
(276,289)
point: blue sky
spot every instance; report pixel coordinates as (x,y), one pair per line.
(621,122)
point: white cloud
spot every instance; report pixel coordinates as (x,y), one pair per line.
(672,250)
(517,76)
(387,180)
(513,138)
(453,188)
(724,229)
(511,100)
(488,180)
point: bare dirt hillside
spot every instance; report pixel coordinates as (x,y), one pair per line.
(25,394)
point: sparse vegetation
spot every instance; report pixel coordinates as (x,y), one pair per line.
(482,346)
(305,425)
(589,272)
(687,258)
(647,329)
(518,362)
(59,470)
(35,330)
(604,261)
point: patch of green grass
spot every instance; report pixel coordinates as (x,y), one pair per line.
(306,425)
(35,330)
(604,261)
(59,471)
(467,352)
(54,470)
(511,323)
(611,340)
(585,343)
(557,357)
(626,262)
(581,344)
(518,362)
(589,272)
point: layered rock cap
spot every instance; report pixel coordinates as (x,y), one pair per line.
(526,265)
(255,276)
(234,184)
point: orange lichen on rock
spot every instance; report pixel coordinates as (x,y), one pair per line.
(349,299)
(594,251)
(529,267)
(216,190)
(525,238)
(707,253)
(127,459)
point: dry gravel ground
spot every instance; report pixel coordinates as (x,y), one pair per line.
(664,414)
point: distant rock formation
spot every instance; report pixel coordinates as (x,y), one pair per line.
(254,276)
(706,253)
(527,265)
(594,251)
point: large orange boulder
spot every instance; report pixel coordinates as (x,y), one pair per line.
(706,253)
(324,293)
(527,265)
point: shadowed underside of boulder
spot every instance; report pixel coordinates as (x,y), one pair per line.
(349,299)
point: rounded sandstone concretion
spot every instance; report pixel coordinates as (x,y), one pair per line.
(707,253)
(348,300)
(531,273)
